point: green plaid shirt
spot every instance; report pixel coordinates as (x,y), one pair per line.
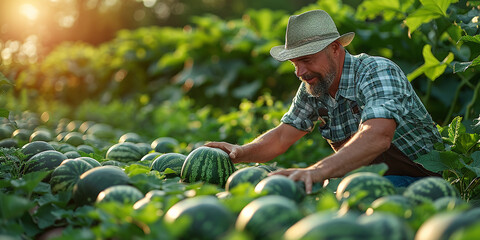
(370,87)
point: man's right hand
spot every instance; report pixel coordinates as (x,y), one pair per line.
(233,150)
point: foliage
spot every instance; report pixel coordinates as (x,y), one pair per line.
(457,158)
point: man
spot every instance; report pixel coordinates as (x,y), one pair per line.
(364,106)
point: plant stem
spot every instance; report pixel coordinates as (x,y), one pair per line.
(472,101)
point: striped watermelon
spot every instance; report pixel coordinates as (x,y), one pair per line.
(124,194)
(8,143)
(445,225)
(124,152)
(72,154)
(383,225)
(327,225)
(268,217)
(35,147)
(252,175)
(95,180)
(164,144)
(65,176)
(112,163)
(85,148)
(211,165)
(429,189)
(152,194)
(202,217)
(397,205)
(41,135)
(46,160)
(74,138)
(150,156)
(173,161)
(91,161)
(130,137)
(144,148)
(360,189)
(448,203)
(65,147)
(280,185)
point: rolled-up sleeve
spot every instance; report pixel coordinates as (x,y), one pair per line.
(302,113)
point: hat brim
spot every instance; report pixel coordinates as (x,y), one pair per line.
(280,53)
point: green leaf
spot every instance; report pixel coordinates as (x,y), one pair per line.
(4,113)
(432,68)
(430,10)
(12,206)
(467,38)
(389,9)
(4,80)
(436,161)
(455,128)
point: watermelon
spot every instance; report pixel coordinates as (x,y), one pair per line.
(360,189)
(22,135)
(280,185)
(65,147)
(65,176)
(444,225)
(73,126)
(72,154)
(144,148)
(164,144)
(130,137)
(448,203)
(112,163)
(35,147)
(6,131)
(211,165)
(268,168)
(41,135)
(252,175)
(173,161)
(202,217)
(60,136)
(124,194)
(150,156)
(153,194)
(91,161)
(95,180)
(74,138)
(101,131)
(46,160)
(124,152)
(429,189)
(382,225)
(397,205)
(268,217)
(85,148)
(8,143)
(83,128)
(328,225)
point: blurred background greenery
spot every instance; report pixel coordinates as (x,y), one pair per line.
(202,68)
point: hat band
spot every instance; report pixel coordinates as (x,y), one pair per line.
(312,39)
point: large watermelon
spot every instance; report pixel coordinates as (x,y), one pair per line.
(65,176)
(91,161)
(164,144)
(124,194)
(173,161)
(211,165)
(35,147)
(397,205)
(444,225)
(74,138)
(130,137)
(124,152)
(44,161)
(202,217)
(86,149)
(387,226)
(429,189)
(150,156)
(281,185)
(360,189)
(268,217)
(252,175)
(95,180)
(41,135)
(328,225)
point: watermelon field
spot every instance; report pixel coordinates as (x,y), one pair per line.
(104,113)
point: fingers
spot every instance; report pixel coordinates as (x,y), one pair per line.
(231,149)
(297,175)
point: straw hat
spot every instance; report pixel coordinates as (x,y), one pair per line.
(309,33)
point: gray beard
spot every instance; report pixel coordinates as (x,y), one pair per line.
(320,88)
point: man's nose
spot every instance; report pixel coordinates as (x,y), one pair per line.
(299,70)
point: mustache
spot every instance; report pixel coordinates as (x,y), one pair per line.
(309,76)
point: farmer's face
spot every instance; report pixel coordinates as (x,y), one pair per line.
(318,71)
